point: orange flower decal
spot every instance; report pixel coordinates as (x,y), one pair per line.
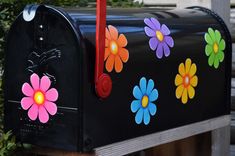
(115,51)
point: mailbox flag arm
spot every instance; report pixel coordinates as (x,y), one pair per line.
(103,82)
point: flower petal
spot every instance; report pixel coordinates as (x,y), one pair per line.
(188,63)
(166,49)
(118,64)
(107,53)
(26,102)
(113,32)
(178,80)
(222,45)
(149,23)
(159,52)
(211,59)
(169,41)
(220,56)
(192,70)
(139,116)
(50,107)
(34,79)
(52,95)
(216,62)
(106,43)
(135,105)
(43,115)
(33,112)
(191,92)
(156,23)
(137,93)
(107,34)
(179,91)
(217,36)
(165,30)
(149,32)
(146,117)
(184,96)
(181,69)
(208,39)
(109,63)
(143,85)
(27,90)
(211,33)
(152,108)
(208,49)
(124,54)
(45,83)
(153,43)
(122,41)
(153,96)
(150,86)
(194,81)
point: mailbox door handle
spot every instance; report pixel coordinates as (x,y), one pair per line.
(103,82)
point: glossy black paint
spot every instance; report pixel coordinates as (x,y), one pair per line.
(85,122)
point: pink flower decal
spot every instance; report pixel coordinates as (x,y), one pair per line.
(39,98)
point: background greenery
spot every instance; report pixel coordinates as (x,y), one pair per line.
(9,9)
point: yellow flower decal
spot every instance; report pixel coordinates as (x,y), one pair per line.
(186,80)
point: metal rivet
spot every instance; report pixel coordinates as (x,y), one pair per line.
(41,38)
(41,26)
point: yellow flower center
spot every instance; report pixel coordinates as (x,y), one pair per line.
(159,35)
(39,98)
(216,47)
(186,81)
(145,101)
(114,47)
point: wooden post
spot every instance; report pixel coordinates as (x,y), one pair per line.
(221,7)
(160,138)
(220,141)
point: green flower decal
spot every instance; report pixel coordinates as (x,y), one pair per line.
(215,47)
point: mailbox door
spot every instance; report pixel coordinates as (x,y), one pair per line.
(48,45)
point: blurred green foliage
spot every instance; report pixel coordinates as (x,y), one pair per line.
(124,3)
(7,144)
(1,109)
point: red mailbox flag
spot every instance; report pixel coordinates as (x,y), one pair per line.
(103,82)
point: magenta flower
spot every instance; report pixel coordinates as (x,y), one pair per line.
(39,98)
(160,40)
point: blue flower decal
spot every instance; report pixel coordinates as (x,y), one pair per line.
(145,95)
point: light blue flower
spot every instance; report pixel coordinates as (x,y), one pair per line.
(145,95)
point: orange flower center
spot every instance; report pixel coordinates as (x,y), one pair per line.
(114,47)
(159,35)
(145,101)
(39,97)
(215,47)
(186,81)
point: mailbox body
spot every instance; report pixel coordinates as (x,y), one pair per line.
(83,121)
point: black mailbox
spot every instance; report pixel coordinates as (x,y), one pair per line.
(168,69)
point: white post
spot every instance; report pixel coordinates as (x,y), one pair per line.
(221,7)
(220,141)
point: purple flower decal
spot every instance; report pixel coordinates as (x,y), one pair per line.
(160,40)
